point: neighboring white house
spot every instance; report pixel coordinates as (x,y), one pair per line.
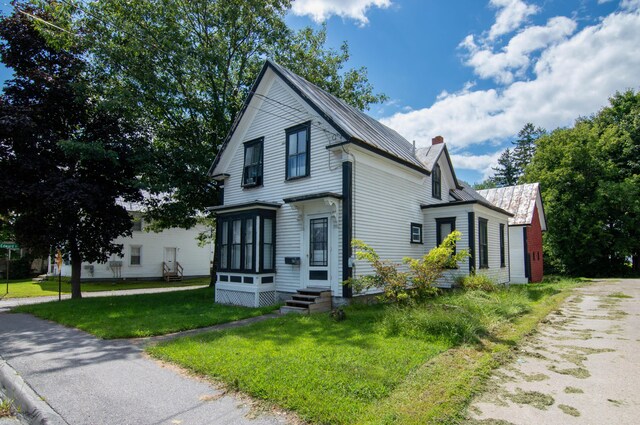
(171,254)
(302,174)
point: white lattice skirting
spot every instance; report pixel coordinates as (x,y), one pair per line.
(246,299)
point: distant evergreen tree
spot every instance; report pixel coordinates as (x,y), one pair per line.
(506,173)
(485,184)
(525,146)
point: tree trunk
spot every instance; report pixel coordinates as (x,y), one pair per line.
(76,269)
(635,263)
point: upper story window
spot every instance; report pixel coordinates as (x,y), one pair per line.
(136,224)
(298,147)
(436,182)
(252,171)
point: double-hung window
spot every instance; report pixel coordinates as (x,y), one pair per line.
(436,182)
(298,147)
(483,243)
(252,171)
(136,255)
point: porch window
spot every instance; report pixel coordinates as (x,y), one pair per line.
(267,244)
(252,172)
(483,243)
(298,158)
(237,248)
(436,182)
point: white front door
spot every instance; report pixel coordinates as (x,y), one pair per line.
(170,258)
(318,248)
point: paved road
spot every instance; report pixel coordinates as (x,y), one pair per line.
(582,367)
(7,304)
(93,382)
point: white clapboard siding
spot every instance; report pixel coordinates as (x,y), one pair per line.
(270,119)
(494,219)
(461,214)
(387,199)
(516,254)
(193,258)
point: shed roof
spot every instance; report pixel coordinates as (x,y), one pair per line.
(519,200)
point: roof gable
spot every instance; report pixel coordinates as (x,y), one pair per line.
(521,200)
(353,125)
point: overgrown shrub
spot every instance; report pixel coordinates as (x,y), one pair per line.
(418,282)
(476,282)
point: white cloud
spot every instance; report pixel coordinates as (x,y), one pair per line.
(321,10)
(510,16)
(572,78)
(630,4)
(480,163)
(513,60)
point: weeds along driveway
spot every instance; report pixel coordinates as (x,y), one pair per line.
(582,366)
(92,381)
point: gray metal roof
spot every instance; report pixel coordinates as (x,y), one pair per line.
(519,200)
(429,155)
(350,122)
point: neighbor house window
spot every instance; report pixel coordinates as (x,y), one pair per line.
(436,182)
(136,256)
(298,147)
(237,247)
(136,225)
(502,253)
(483,243)
(416,233)
(252,172)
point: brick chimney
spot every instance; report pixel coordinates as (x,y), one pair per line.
(437,140)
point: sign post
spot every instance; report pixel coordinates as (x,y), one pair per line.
(59,263)
(8,246)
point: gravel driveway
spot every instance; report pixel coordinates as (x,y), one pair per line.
(581,367)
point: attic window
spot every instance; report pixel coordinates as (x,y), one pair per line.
(436,182)
(252,171)
(136,225)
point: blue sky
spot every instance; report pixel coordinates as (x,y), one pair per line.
(476,71)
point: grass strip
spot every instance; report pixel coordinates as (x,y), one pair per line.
(26,288)
(134,316)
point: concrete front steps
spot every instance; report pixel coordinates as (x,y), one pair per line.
(308,300)
(40,278)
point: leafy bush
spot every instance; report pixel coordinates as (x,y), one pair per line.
(478,282)
(419,282)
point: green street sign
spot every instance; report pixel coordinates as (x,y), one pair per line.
(9,245)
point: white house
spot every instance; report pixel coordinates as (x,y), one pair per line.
(172,254)
(302,174)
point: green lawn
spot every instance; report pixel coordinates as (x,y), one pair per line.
(383,364)
(24,288)
(141,315)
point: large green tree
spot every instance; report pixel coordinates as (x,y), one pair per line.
(525,146)
(506,173)
(65,157)
(590,182)
(185,67)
